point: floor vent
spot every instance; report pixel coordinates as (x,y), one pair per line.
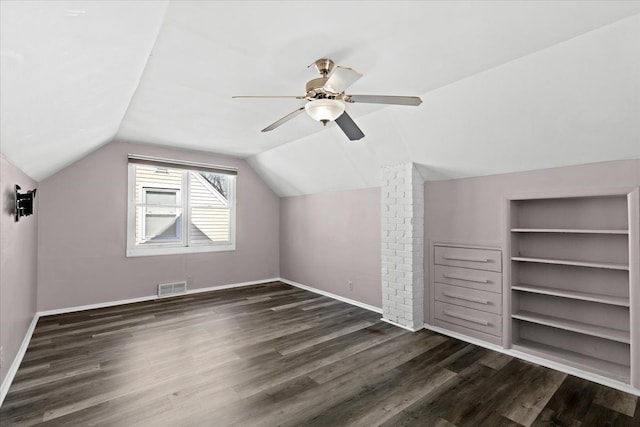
(172,288)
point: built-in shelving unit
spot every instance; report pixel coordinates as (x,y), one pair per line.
(571,325)
(573,281)
(578,295)
(593,365)
(568,230)
(609,265)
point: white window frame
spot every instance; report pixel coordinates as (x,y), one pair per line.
(184,246)
(143,213)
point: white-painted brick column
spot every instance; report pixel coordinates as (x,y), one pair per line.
(403,245)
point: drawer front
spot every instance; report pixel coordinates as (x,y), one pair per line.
(468,278)
(468,332)
(479,259)
(482,321)
(471,298)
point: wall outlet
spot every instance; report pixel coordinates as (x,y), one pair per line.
(350,285)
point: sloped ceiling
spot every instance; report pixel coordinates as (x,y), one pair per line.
(68,72)
(506,85)
(575,102)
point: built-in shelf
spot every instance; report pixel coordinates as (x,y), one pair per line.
(583,296)
(574,326)
(609,265)
(574,263)
(568,230)
(580,361)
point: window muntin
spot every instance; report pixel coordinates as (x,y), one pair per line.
(178,210)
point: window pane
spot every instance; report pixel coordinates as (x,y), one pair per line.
(161,197)
(218,181)
(158,214)
(209,209)
(209,225)
(158,228)
(162,228)
(165,197)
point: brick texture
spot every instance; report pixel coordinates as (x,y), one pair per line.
(402,245)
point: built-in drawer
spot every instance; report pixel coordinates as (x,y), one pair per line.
(469,278)
(468,332)
(471,298)
(479,259)
(482,321)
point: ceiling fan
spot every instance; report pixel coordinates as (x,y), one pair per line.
(327,100)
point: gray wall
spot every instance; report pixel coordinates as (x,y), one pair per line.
(328,239)
(470,210)
(18,256)
(82,237)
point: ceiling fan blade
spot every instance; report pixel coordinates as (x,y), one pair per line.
(340,79)
(349,127)
(383,99)
(267,96)
(286,118)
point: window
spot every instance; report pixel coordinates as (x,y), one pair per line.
(179,207)
(160,215)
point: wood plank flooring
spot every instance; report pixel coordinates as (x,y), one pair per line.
(274,355)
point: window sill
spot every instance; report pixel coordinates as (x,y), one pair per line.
(180,250)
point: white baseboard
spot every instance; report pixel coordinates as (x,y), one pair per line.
(232,285)
(347,300)
(150,297)
(94,306)
(6,383)
(330,295)
(540,361)
(399,325)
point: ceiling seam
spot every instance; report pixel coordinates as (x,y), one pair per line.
(530,54)
(142,73)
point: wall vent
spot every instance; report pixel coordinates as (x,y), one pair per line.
(171,288)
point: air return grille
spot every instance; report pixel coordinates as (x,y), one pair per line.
(172,288)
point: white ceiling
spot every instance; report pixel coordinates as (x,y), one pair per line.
(506,85)
(68,72)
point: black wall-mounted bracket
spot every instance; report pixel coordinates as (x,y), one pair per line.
(24,202)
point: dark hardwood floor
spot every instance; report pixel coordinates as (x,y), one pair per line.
(273,355)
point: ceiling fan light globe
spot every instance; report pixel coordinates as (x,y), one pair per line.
(325,110)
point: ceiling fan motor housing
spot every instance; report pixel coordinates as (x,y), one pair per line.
(315,87)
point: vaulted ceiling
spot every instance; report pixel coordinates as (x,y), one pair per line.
(506,86)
